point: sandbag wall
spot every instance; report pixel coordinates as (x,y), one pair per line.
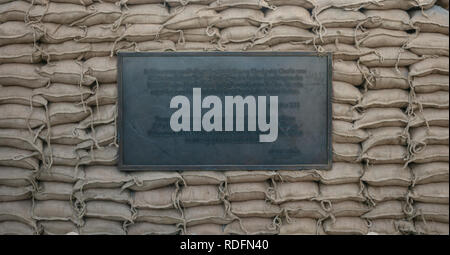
(58,110)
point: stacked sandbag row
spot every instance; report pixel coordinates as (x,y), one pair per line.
(58,109)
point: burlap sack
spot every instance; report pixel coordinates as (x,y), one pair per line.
(380,37)
(21,116)
(247,191)
(65,50)
(208,214)
(430,172)
(195,35)
(101,33)
(385,98)
(348,209)
(16,177)
(8,194)
(114,195)
(17,211)
(65,155)
(434,20)
(285,192)
(66,71)
(341,192)
(349,72)
(65,174)
(190,196)
(220,5)
(58,92)
(431,135)
(248,176)
(19,53)
(103,49)
(283,34)
(384,227)
(386,210)
(346,152)
(390,57)
(16,228)
(379,194)
(175,3)
(104,69)
(429,44)
(432,153)
(151,180)
(437,99)
(196,46)
(430,83)
(57,227)
(13,32)
(303,209)
(63,13)
(433,65)
(404,4)
(388,78)
(191,16)
(430,116)
(345,226)
(19,158)
(94,226)
(146,228)
(54,210)
(14,11)
(431,193)
(431,228)
(106,156)
(24,75)
(289,46)
(289,15)
(20,95)
(346,52)
(108,210)
(102,177)
(240,34)
(54,191)
(65,134)
(205,229)
(335,17)
(162,216)
(20,138)
(385,136)
(58,33)
(103,114)
(345,93)
(147,32)
(99,13)
(252,226)
(255,208)
(387,175)
(343,132)
(338,35)
(382,117)
(299,226)
(144,14)
(345,112)
(62,113)
(386,154)
(341,173)
(203,177)
(232,17)
(389,19)
(431,212)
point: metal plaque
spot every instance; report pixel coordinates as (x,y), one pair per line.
(224,111)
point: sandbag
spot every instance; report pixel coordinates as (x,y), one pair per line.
(348,209)
(59,93)
(307,4)
(388,78)
(390,57)
(55,210)
(146,228)
(54,191)
(99,13)
(190,196)
(431,212)
(203,177)
(431,193)
(299,226)
(151,180)
(349,72)
(345,93)
(335,17)
(389,19)
(429,44)
(386,154)
(13,32)
(247,191)
(385,227)
(252,226)
(295,191)
(346,52)
(386,210)
(67,134)
(345,226)
(162,198)
(56,173)
(431,135)
(145,14)
(105,94)
(255,208)
(62,113)
(296,176)
(303,209)
(288,15)
(343,132)
(345,112)
(62,13)
(104,69)
(21,116)
(431,117)
(384,136)
(195,35)
(19,53)
(58,33)
(432,65)
(102,177)
(341,192)
(65,50)
(93,226)
(20,95)
(248,176)
(196,46)
(438,99)
(18,158)
(380,37)
(346,152)
(66,71)
(147,32)
(65,155)
(16,177)
(385,98)
(161,216)
(191,16)
(103,114)
(106,156)
(100,33)
(114,195)
(240,34)
(431,228)
(220,5)
(24,75)
(108,210)
(341,173)
(403,4)
(8,194)
(17,211)
(379,194)
(430,83)
(432,153)
(16,228)
(382,117)
(387,175)
(282,34)
(430,172)
(57,227)
(338,35)
(434,20)
(103,49)
(21,139)
(208,214)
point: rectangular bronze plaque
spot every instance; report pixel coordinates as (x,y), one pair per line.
(224,111)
